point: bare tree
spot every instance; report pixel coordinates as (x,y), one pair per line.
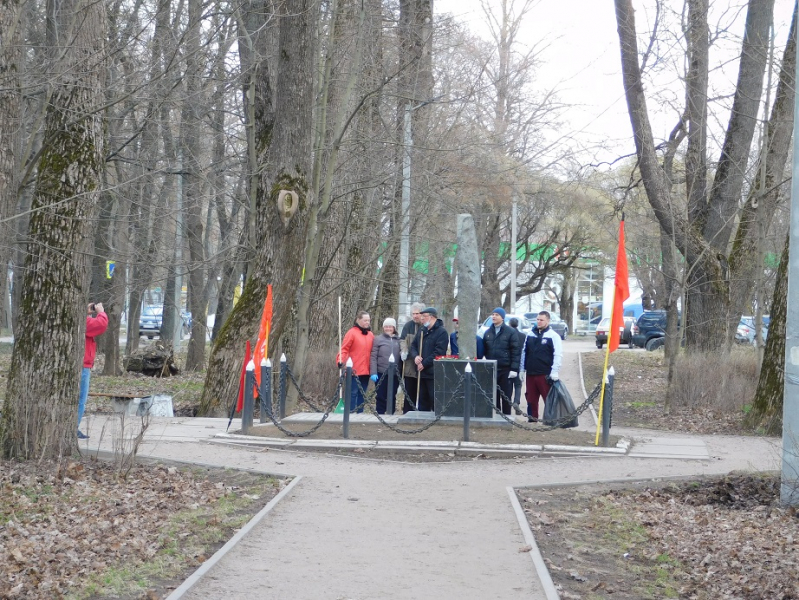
(39,417)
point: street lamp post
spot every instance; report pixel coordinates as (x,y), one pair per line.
(405,219)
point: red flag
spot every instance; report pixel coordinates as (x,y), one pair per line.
(240,401)
(262,343)
(622,292)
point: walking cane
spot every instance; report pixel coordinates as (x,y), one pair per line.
(418,373)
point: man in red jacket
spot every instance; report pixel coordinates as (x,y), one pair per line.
(95,325)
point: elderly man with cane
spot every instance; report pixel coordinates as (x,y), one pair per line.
(431,341)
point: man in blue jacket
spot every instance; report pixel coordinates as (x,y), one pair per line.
(542,356)
(501,343)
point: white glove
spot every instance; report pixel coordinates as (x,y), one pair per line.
(404,355)
(554,376)
(512,375)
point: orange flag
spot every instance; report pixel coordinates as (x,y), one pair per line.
(262,343)
(622,292)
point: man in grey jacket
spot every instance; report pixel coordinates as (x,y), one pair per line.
(409,371)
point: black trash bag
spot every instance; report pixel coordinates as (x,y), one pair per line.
(558,404)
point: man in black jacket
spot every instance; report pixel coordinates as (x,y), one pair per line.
(430,342)
(501,343)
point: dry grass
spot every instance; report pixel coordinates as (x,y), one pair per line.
(717,382)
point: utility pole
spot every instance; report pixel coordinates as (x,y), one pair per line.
(177,331)
(789,489)
(405,220)
(513,256)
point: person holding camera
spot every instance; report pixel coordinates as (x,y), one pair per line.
(96,324)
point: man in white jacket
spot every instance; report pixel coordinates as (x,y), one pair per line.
(541,357)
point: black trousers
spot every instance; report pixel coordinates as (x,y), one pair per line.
(426,394)
(410,396)
(506,385)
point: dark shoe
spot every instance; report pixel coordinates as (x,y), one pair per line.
(532,420)
(82,436)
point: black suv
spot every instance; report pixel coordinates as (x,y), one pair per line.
(650,330)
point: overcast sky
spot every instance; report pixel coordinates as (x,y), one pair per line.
(581,60)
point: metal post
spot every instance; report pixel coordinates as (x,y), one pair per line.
(282,399)
(265,392)
(347,398)
(249,386)
(405,220)
(513,256)
(392,366)
(789,486)
(467,400)
(607,407)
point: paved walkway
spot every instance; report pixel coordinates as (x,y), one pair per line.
(356,528)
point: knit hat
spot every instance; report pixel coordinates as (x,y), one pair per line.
(500,311)
(430,311)
(390,321)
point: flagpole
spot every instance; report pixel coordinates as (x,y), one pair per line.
(620,284)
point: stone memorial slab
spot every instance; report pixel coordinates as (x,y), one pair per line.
(448,391)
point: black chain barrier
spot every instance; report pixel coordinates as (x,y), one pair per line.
(370,396)
(556,424)
(425,427)
(330,408)
(302,396)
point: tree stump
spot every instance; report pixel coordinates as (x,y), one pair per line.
(154,360)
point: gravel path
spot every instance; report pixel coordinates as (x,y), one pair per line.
(363,529)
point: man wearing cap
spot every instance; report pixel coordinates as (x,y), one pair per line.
(542,358)
(431,341)
(501,343)
(410,375)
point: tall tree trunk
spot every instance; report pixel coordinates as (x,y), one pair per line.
(766,410)
(286,171)
(766,192)
(39,414)
(192,186)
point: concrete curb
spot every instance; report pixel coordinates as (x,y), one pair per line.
(535,553)
(231,543)
(456,446)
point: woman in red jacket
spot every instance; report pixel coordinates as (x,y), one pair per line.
(357,345)
(96,324)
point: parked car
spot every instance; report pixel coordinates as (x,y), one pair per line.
(524,324)
(650,330)
(625,333)
(150,321)
(557,324)
(745,334)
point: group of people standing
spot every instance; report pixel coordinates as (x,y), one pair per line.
(423,338)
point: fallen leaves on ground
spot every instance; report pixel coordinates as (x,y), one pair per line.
(723,537)
(62,527)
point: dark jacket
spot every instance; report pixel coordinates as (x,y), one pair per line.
(503,347)
(409,331)
(542,352)
(453,342)
(382,348)
(434,342)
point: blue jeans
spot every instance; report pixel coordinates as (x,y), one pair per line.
(85,377)
(356,397)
